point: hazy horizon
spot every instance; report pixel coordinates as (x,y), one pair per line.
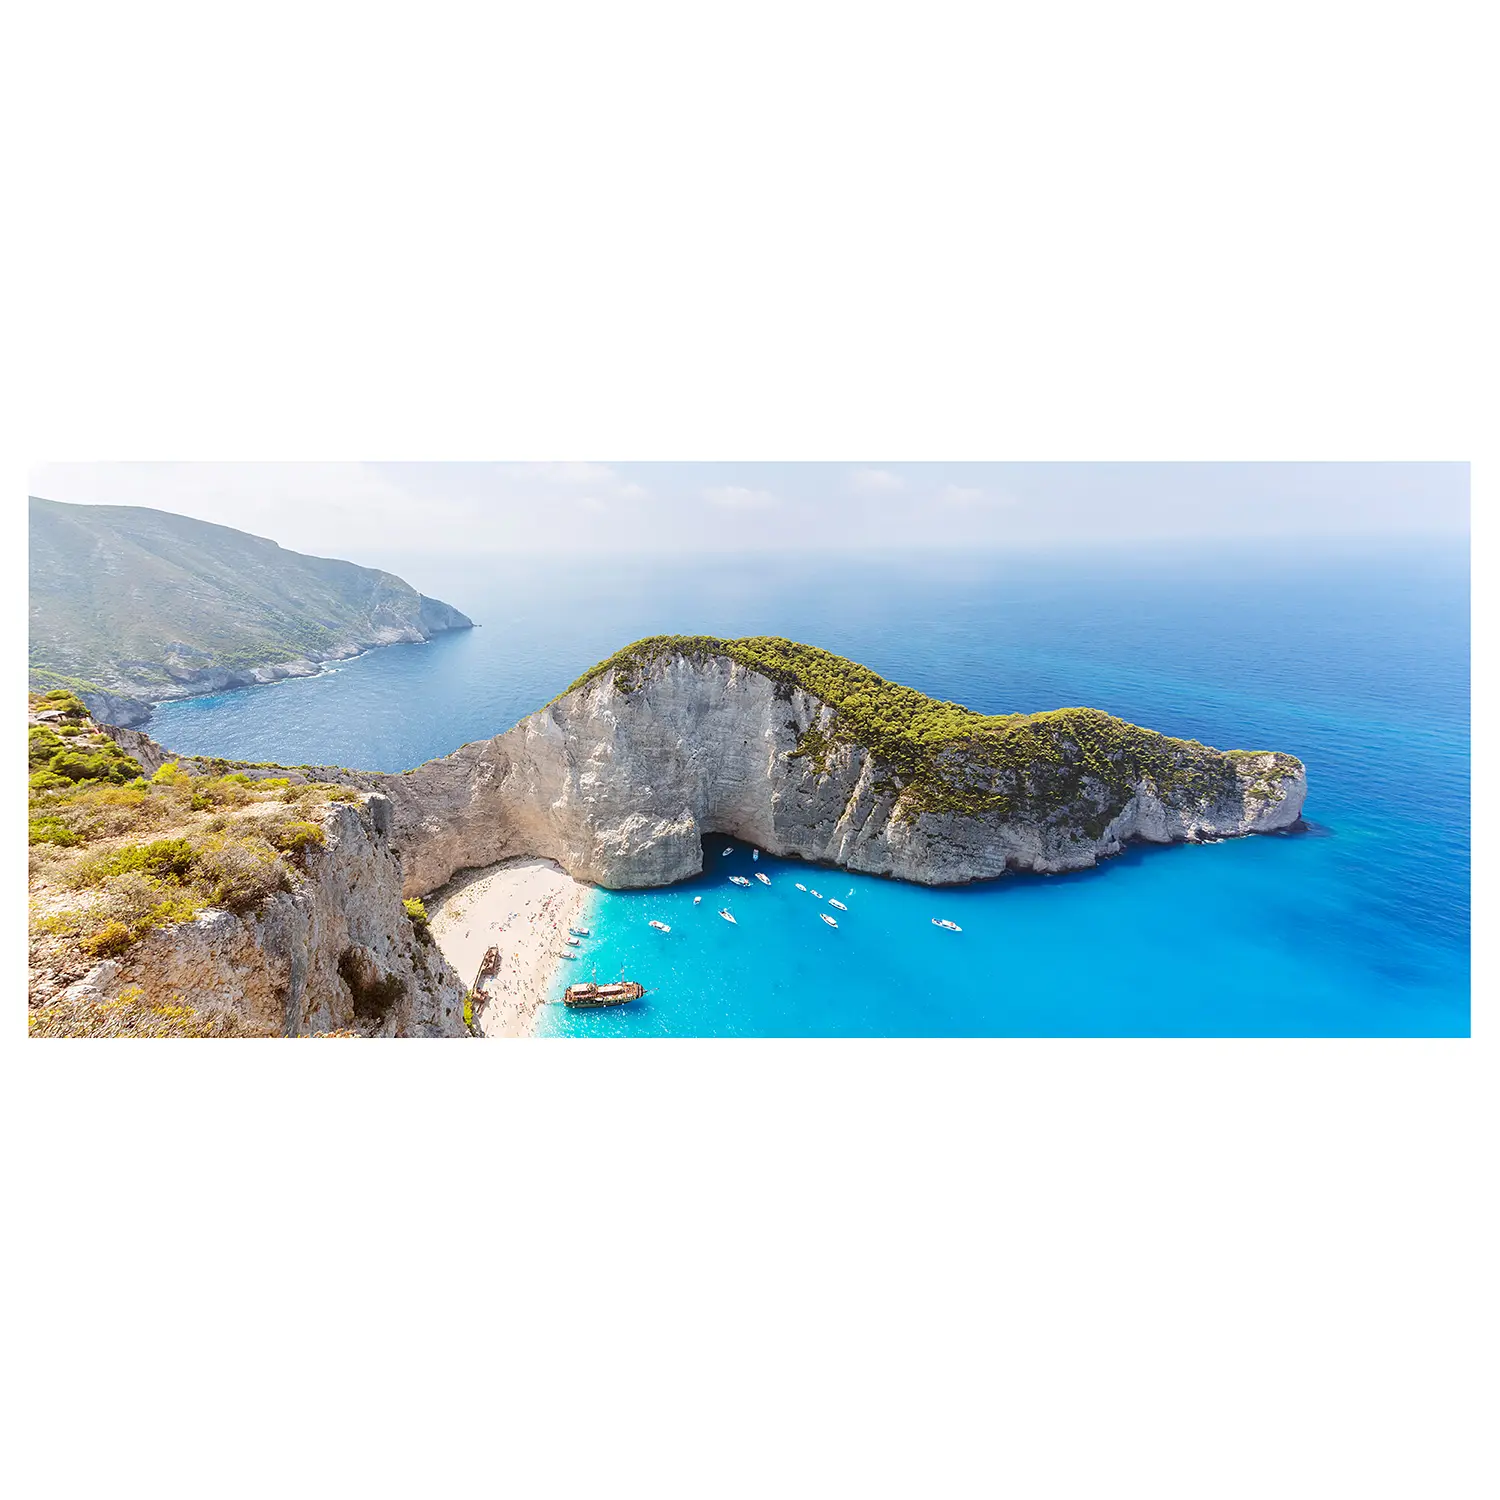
(383,513)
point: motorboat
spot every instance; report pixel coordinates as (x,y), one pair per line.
(828,919)
(755,854)
(945,923)
(697,900)
(799,885)
(726,853)
(728,916)
(834,901)
(818,894)
(579,931)
(764,879)
(659,926)
(739,880)
(571,941)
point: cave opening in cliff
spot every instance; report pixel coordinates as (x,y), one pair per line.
(373,993)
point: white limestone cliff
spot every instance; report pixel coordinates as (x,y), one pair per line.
(619,787)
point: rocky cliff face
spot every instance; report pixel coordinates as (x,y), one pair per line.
(336,953)
(619,779)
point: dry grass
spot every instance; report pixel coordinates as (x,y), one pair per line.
(131,1015)
(110,861)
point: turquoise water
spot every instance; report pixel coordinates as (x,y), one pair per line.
(1354,659)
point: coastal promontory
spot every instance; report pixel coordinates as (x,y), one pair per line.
(132,606)
(803,753)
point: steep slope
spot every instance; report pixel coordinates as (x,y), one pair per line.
(131,606)
(172,899)
(803,753)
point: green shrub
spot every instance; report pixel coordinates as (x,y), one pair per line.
(106,763)
(238,873)
(110,940)
(296,838)
(60,700)
(419,918)
(50,830)
(165,859)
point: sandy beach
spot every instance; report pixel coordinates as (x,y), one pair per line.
(524,907)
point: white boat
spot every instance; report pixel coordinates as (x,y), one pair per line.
(726,853)
(727,915)
(571,941)
(739,880)
(764,879)
(697,900)
(659,926)
(799,885)
(828,919)
(944,922)
(755,854)
(818,894)
(579,931)
(834,901)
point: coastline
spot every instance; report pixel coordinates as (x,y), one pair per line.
(524,906)
(130,711)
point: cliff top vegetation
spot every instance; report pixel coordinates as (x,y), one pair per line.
(114,855)
(944,756)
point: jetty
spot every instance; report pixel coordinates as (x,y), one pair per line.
(593,996)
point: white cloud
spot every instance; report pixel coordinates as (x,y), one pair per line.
(592,476)
(953,494)
(737,497)
(875,482)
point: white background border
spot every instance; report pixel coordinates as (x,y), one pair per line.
(813,231)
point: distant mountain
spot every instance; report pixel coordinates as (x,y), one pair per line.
(131,606)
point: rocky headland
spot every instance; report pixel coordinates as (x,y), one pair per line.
(808,755)
(132,607)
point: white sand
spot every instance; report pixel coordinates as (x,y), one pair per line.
(524,907)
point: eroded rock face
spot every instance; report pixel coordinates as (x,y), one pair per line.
(338,952)
(620,787)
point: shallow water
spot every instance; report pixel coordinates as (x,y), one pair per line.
(1354,659)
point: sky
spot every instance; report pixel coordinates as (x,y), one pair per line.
(383,512)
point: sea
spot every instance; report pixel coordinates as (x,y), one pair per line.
(1354,657)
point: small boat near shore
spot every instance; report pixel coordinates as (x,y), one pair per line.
(755,854)
(579,931)
(828,919)
(739,880)
(726,854)
(572,941)
(659,926)
(945,923)
(764,879)
(728,915)
(697,900)
(834,901)
(799,885)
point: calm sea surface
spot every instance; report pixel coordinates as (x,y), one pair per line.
(1355,660)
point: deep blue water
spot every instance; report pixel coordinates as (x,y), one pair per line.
(1355,659)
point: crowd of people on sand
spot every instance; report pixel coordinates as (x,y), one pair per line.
(518,992)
